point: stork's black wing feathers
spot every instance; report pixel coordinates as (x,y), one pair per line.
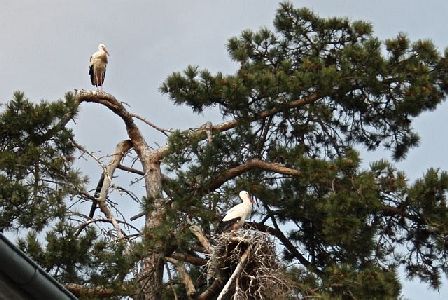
(225,225)
(92,75)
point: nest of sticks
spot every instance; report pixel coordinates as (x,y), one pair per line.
(246,263)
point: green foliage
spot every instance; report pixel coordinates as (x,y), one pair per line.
(370,283)
(427,239)
(345,282)
(35,161)
(365,96)
(80,258)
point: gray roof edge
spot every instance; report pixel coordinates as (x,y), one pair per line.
(26,273)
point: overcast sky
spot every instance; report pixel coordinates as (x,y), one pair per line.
(45,47)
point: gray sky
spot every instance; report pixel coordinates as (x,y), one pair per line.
(45,46)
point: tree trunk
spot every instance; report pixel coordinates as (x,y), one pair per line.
(150,280)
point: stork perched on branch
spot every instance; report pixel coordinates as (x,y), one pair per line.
(236,216)
(97,68)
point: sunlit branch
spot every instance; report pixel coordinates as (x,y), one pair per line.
(109,101)
(197,231)
(228,174)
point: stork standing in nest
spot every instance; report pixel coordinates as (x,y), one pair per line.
(236,216)
(97,68)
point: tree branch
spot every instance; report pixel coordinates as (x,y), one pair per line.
(211,291)
(249,165)
(121,149)
(92,221)
(286,242)
(194,260)
(295,103)
(130,170)
(170,278)
(109,101)
(205,129)
(185,277)
(162,130)
(197,231)
(106,177)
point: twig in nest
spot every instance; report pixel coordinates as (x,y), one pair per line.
(235,273)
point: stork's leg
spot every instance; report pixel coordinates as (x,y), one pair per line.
(100,80)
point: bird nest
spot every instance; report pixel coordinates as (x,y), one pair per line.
(246,262)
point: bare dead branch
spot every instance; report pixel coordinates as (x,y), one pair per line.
(130,170)
(185,277)
(109,101)
(127,192)
(122,148)
(89,153)
(197,231)
(150,280)
(162,130)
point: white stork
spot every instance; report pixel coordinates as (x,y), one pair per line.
(98,63)
(236,216)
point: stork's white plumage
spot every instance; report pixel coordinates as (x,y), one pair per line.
(236,216)
(98,63)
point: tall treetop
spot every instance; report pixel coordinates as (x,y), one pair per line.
(362,90)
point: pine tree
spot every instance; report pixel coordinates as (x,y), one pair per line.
(305,96)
